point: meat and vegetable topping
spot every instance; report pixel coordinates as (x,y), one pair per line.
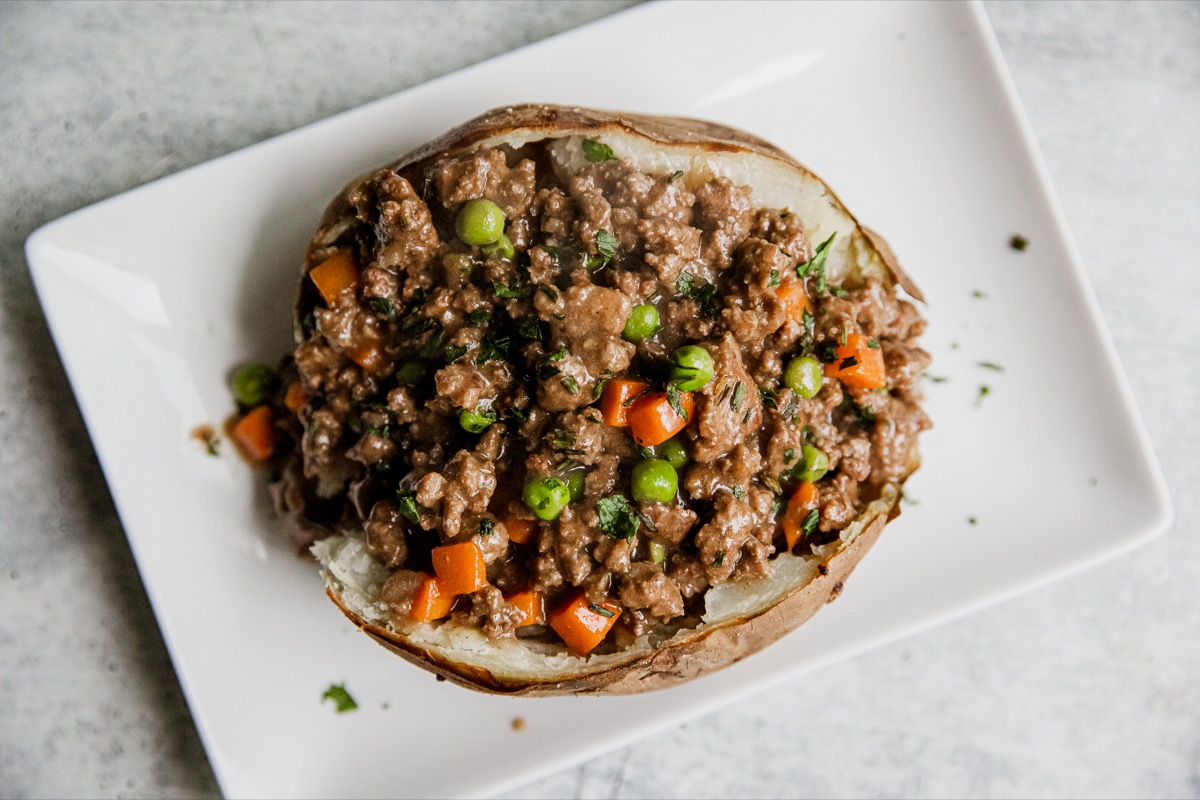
(561,406)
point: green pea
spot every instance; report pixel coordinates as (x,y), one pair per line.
(480,222)
(658,552)
(654,479)
(501,248)
(575,485)
(477,419)
(691,368)
(673,452)
(252,384)
(813,464)
(546,497)
(642,322)
(411,373)
(803,376)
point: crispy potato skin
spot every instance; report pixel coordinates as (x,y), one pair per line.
(712,646)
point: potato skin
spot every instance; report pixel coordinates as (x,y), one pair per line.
(712,646)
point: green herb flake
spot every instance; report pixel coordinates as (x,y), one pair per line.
(817,264)
(494,347)
(675,401)
(774,279)
(972,521)
(992,365)
(739,396)
(382,306)
(595,151)
(599,390)
(873,344)
(979,295)
(510,293)
(340,697)
(487,526)
(838,291)
(549,291)
(789,455)
(984,391)
(408,506)
(720,559)
(618,518)
(570,384)
(478,316)
(601,610)
(606,245)
(1018,243)
(739,493)
(810,522)
(935,378)
(530,328)
(454,352)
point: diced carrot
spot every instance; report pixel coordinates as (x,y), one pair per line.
(583,625)
(295,398)
(652,420)
(430,602)
(614,400)
(532,604)
(459,567)
(368,355)
(255,433)
(520,530)
(858,365)
(801,503)
(793,295)
(335,275)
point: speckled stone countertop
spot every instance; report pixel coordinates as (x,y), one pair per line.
(1089,687)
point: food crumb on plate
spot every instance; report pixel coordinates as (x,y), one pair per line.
(207,436)
(518,724)
(1018,242)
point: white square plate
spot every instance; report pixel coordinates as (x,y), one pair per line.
(906,109)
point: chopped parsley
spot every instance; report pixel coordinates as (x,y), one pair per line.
(618,518)
(606,245)
(1018,242)
(570,384)
(992,365)
(774,279)
(972,521)
(494,347)
(340,697)
(935,378)
(530,328)
(739,396)
(739,493)
(789,455)
(720,559)
(510,293)
(454,352)
(979,295)
(984,391)
(810,521)
(676,175)
(817,264)
(674,399)
(595,151)
(382,306)
(487,526)
(599,390)
(689,287)
(601,610)
(478,316)
(548,290)
(873,344)
(408,506)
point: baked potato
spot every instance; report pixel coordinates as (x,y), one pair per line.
(505,335)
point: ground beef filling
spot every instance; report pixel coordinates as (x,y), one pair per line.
(445,377)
